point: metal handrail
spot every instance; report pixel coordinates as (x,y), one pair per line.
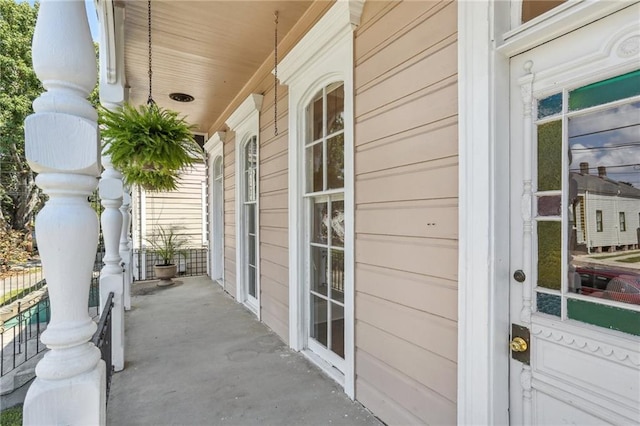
(102,338)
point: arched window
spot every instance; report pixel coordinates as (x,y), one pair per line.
(249,217)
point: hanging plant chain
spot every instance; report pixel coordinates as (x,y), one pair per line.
(275,78)
(150,101)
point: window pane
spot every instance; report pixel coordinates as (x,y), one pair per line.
(550,105)
(319,223)
(251,277)
(613,89)
(314,168)
(337,275)
(335,110)
(337,329)
(217,168)
(251,218)
(319,319)
(252,249)
(337,223)
(549,156)
(316,108)
(549,271)
(335,162)
(318,270)
(250,154)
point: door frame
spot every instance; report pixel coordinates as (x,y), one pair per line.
(487,39)
(214,149)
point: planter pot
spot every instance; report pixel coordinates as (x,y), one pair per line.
(164,273)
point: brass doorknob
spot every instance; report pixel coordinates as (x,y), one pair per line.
(518,344)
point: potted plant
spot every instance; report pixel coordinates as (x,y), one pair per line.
(166,243)
(149,145)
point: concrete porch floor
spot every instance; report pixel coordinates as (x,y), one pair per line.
(196,357)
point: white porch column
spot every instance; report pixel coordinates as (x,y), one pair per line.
(111,276)
(112,96)
(62,146)
(125,246)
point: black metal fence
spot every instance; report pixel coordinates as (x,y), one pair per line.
(20,281)
(102,339)
(20,335)
(22,323)
(191,262)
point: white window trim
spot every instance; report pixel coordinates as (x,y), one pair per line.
(245,122)
(323,56)
(485,44)
(214,149)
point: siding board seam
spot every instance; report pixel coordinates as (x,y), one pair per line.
(441,123)
(411,308)
(408,200)
(421,93)
(422,166)
(415,237)
(389,268)
(408,63)
(420,19)
(370,23)
(447,360)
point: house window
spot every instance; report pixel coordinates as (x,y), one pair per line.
(623,222)
(599,220)
(249,215)
(324,194)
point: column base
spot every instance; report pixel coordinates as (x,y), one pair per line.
(80,400)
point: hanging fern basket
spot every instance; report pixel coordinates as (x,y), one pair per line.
(149,145)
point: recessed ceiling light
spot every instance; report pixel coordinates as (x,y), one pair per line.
(181,97)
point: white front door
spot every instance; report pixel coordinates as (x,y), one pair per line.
(575,230)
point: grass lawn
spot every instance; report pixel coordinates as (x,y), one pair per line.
(633,259)
(11,417)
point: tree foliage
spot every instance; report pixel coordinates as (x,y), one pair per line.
(20,198)
(19,86)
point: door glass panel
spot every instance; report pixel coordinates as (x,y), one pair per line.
(549,255)
(319,270)
(550,105)
(550,156)
(604,245)
(319,319)
(610,317)
(549,205)
(319,221)
(616,88)
(549,304)
(337,275)
(335,162)
(337,329)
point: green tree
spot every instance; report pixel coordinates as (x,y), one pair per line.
(19,86)
(20,198)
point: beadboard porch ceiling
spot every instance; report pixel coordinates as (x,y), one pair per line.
(207,49)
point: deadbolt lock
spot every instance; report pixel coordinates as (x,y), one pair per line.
(518,344)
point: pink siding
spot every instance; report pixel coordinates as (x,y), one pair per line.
(406,190)
(229,215)
(274,186)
